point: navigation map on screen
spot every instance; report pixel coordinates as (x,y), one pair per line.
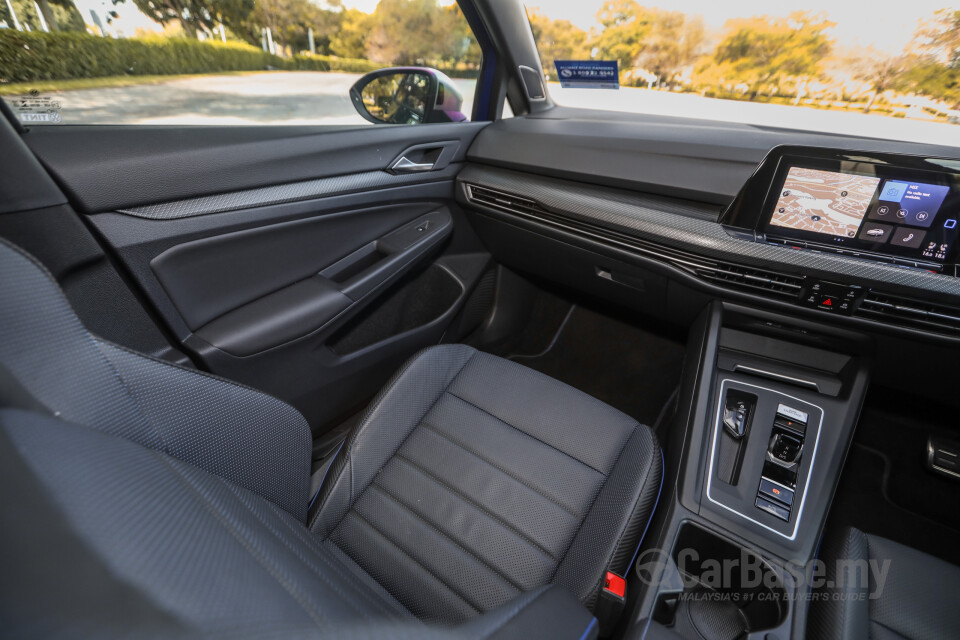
(824,201)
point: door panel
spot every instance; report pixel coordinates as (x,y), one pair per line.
(332,372)
(276,284)
(297,262)
(207,278)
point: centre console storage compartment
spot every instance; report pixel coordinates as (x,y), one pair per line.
(729,592)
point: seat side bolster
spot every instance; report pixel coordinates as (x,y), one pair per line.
(242,435)
(841,609)
(612,529)
(548,612)
(388,422)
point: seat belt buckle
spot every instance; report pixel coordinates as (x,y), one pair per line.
(613,597)
(615,585)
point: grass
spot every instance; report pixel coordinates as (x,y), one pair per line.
(43,86)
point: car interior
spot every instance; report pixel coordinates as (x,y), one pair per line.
(564,374)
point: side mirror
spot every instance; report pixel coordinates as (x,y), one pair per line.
(407,95)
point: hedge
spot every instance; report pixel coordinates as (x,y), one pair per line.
(33,56)
(308,62)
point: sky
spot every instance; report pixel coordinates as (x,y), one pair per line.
(884,24)
(129,17)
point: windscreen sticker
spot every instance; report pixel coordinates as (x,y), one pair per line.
(37,108)
(588,74)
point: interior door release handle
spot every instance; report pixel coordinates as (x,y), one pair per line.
(421,158)
(404,165)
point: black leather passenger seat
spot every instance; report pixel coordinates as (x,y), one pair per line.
(473,479)
(880,589)
(474,492)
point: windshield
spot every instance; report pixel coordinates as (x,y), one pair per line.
(878,69)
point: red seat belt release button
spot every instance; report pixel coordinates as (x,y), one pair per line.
(615,585)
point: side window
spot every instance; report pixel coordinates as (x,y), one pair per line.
(242,62)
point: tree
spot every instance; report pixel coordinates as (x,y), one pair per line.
(460,46)
(763,50)
(939,38)
(195,15)
(936,54)
(657,41)
(59,15)
(407,32)
(626,25)
(674,41)
(933,80)
(289,22)
(882,72)
(52,17)
(557,40)
(350,38)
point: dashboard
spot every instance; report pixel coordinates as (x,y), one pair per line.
(752,252)
(594,237)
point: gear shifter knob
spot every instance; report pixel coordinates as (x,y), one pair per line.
(735,417)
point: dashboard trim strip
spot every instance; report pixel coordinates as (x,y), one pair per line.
(279,194)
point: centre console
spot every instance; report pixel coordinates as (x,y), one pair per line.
(766,414)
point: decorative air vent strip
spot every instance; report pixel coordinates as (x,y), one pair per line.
(500,200)
(759,279)
(723,274)
(910,313)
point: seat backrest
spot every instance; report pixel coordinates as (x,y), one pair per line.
(49,361)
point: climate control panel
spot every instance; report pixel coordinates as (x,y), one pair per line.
(830,296)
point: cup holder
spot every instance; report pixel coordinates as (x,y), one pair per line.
(728,593)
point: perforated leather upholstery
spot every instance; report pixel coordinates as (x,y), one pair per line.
(245,436)
(877,588)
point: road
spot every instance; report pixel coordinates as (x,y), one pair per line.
(276,97)
(321,98)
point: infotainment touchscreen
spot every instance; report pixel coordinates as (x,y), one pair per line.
(824,202)
(874,208)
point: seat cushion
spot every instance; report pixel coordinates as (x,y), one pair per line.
(472,479)
(877,588)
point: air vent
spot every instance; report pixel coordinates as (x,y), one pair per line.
(726,274)
(910,313)
(504,201)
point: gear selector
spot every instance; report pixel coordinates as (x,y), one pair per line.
(737,414)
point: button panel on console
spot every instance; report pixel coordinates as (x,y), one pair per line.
(830,296)
(778,484)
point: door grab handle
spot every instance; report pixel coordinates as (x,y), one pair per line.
(403,165)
